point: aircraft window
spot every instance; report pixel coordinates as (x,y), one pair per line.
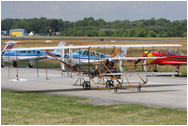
(102,56)
(29,51)
(171,52)
(79,51)
(34,51)
(165,51)
(178,53)
(181,54)
(85,53)
(160,51)
(93,54)
(22,51)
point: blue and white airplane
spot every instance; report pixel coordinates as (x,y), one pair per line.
(81,56)
(30,56)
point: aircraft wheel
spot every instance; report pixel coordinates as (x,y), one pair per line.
(115,89)
(30,66)
(108,84)
(86,85)
(111,83)
(139,88)
(3,65)
(15,64)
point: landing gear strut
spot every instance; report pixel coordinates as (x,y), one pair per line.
(115,89)
(139,88)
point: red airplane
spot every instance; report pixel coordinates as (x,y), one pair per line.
(172,57)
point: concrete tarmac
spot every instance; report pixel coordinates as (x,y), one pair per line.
(160,91)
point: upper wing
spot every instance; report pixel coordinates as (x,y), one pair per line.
(98,46)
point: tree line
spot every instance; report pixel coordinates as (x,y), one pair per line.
(90,27)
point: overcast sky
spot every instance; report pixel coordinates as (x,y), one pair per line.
(107,10)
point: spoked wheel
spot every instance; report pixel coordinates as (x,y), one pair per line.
(86,85)
(139,88)
(109,83)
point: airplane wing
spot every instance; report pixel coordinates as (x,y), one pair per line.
(174,63)
(34,58)
(91,61)
(97,46)
(135,58)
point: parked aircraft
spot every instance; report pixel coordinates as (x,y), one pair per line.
(30,56)
(81,56)
(104,78)
(172,57)
(9,45)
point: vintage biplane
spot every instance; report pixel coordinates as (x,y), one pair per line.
(97,73)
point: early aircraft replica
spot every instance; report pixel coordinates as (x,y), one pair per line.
(100,72)
(30,56)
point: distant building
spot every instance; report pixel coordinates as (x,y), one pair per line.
(18,32)
(31,33)
(3,33)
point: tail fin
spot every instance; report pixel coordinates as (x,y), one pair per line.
(9,45)
(58,51)
(124,51)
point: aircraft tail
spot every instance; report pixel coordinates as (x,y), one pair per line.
(58,51)
(9,45)
(124,51)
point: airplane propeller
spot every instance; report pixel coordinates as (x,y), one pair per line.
(136,62)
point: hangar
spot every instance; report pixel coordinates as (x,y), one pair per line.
(18,32)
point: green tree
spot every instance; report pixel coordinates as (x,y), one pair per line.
(117,33)
(131,33)
(152,34)
(140,32)
(102,34)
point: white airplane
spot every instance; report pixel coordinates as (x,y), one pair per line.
(24,55)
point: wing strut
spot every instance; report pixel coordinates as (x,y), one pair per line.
(70,66)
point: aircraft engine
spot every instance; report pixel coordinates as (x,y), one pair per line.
(149,55)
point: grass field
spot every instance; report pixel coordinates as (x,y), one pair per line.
(19,108)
